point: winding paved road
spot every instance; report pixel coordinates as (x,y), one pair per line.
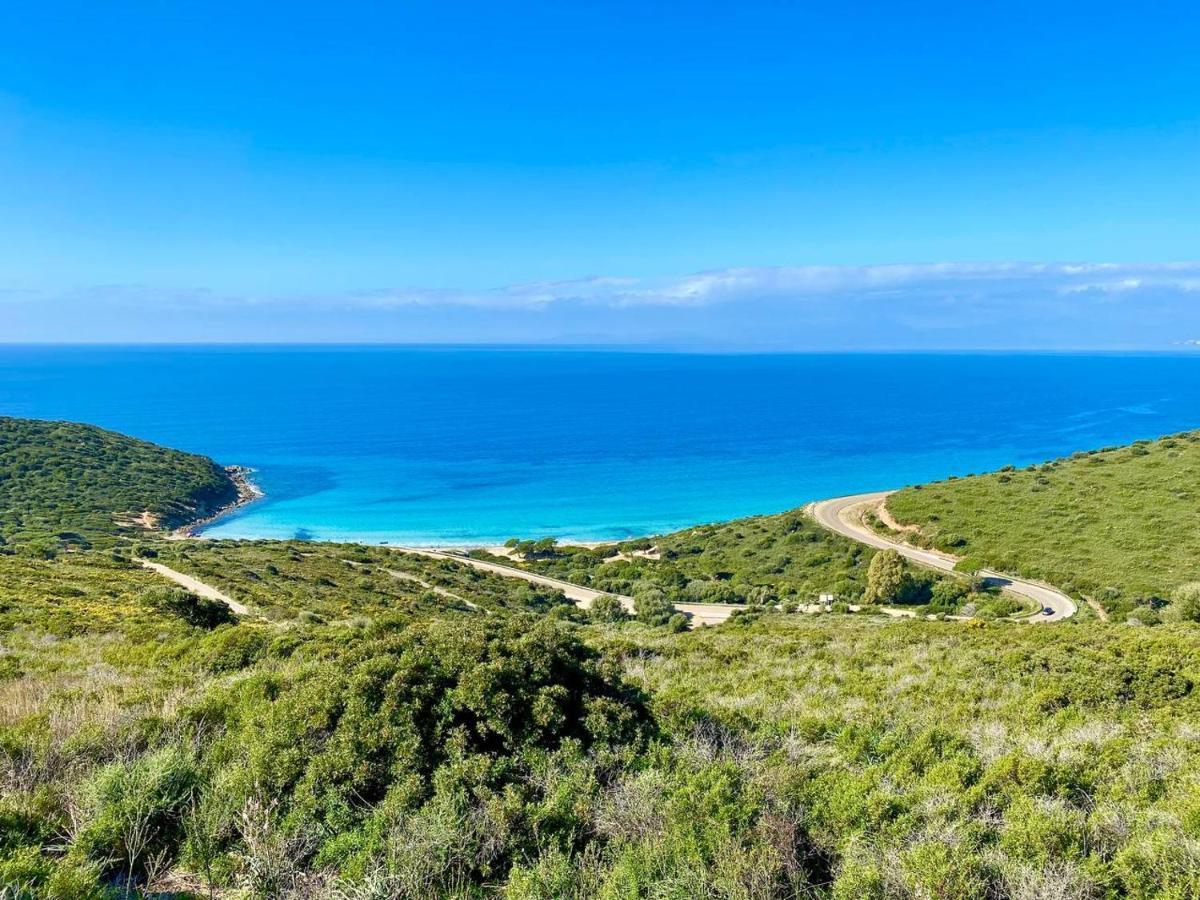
(844,516)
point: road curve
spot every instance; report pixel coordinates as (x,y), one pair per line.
(697,613)
(844,516)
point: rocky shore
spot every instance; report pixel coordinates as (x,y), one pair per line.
(247,493)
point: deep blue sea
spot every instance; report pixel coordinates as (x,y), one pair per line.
(478,445)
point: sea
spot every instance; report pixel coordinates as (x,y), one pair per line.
(460,446)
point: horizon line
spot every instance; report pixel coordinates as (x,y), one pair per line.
(1180,349)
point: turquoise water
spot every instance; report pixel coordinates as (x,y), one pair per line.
(468,445)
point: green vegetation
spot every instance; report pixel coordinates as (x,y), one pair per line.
(1121,526)
(762,560)
(425,748)
(389,725)
(63,484)
(607,609)
(784,559)
(924,759)
(284,580)
(887,578)
(1185,603)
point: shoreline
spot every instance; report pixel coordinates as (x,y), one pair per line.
(465,546)
(247,492)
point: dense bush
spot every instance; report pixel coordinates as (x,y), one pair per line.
(652,606)
(67,484)
(441,752)
(132,813)
(887,578)
(607,609)
(199,611)
(1185,603)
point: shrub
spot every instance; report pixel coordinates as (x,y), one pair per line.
(134,811)
(41,548)
(652,606)
(762,595)
(886,578)
(947,595)
(1162,863)
(608,609)
(916,590)
(937,869)
(1185,603)
(198,611)
(677,623)
(230,648)
(950,541)
(448,707)
(705,591)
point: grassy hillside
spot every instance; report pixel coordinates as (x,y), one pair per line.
(1122,525)
(943,760)
(285,579)
(427,749)
(140,749)
(784,559)
(67,483)
(784,556)
(388,725)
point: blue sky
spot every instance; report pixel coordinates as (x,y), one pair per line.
(543,172)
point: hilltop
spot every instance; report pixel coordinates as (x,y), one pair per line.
(65,484)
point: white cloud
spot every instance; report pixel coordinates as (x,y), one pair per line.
(946,280)
(939,305)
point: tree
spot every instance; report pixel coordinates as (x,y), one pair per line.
(947,595)
(543,548)
(886,578)
(972,566)
(1185,603)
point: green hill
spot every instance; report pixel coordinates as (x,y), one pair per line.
(384,724)
(425,747)
(1121,525)
(757,559)
(62,482)
(785,558)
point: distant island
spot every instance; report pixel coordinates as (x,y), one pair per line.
(263,718)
